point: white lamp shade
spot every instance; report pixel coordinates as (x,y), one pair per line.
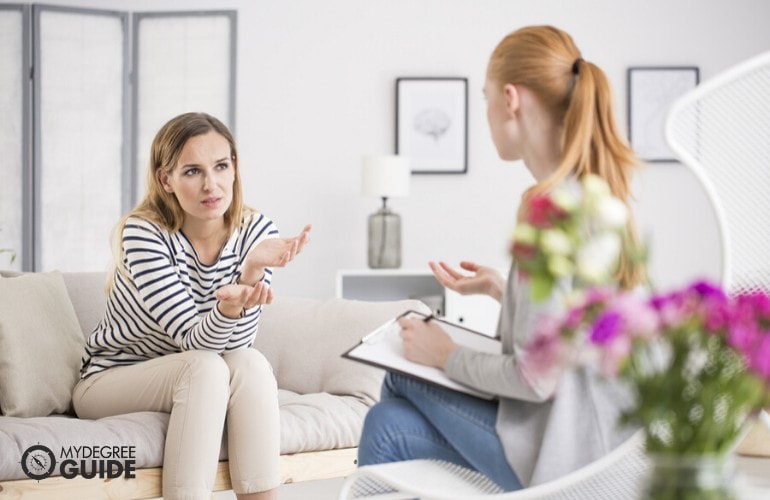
(385,176)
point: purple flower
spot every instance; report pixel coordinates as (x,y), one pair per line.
(707,289)
(606,327)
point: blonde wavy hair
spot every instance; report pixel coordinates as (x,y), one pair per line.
(162,208)
(577,93)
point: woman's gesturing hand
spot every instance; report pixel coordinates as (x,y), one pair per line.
(273,252)
(277,252)
(233,299)
(484,280)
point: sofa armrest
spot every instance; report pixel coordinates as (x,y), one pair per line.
(304,339)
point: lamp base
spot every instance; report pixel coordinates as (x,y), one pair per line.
(384,239)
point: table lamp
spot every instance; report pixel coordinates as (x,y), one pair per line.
(385,177)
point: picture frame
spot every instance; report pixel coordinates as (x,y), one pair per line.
(432,123)
(651,92)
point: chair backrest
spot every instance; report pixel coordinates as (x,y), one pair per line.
(721,130)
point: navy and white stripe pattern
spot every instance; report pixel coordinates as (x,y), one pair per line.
(167,303)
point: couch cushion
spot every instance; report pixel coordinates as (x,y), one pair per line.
(88,296)
(41,346)
(320,421)
(309,422)
(87,293)
(306,352)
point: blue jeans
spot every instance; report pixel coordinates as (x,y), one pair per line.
(416,420)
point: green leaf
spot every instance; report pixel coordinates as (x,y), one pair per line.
(541,287)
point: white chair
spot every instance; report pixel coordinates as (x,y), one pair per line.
(618,476)
(721,130)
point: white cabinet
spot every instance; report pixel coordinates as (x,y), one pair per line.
(477,312)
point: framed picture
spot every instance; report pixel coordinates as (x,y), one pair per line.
(432,124)
(651,92)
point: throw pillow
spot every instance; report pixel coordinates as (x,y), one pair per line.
(40,345)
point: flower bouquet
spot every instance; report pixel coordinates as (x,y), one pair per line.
(575,230)
(697,361)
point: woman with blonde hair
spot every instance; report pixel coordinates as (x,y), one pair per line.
(193,268)
(552,109)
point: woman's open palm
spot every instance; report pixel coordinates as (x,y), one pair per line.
(484,280)
(277,252)
(235,297)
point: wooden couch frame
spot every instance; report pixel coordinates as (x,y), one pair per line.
(298,467)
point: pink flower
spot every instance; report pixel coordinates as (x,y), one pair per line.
(523,252)
(749,331)
(542,212)
(598,294)
(760,359)
(742,337)
(615,353)
(546,353)
(573,318)
(717,317)
(641,320)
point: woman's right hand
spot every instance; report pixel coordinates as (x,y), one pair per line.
(484,280)
(234,299)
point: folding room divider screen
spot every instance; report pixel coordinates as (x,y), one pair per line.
(84,91)
(79,96)
(13,95)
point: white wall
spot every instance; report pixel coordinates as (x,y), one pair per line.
(316,93)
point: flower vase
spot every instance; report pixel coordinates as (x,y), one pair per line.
(693,477)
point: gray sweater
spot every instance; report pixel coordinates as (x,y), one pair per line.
(546,433)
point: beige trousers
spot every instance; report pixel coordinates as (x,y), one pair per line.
(201,390)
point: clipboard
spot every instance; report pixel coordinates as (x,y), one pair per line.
(383,348)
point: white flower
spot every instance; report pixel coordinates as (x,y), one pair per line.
(524,233)
(560,266)
(555,242)
(610,213)
(564,199)
(595,187)
(598,258)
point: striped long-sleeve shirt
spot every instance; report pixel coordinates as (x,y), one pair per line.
(166,303)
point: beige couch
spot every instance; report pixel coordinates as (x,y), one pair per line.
(323,398)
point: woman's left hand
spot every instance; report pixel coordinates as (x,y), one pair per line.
(426,343)
(273,252)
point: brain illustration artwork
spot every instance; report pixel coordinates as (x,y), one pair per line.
(432,122)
